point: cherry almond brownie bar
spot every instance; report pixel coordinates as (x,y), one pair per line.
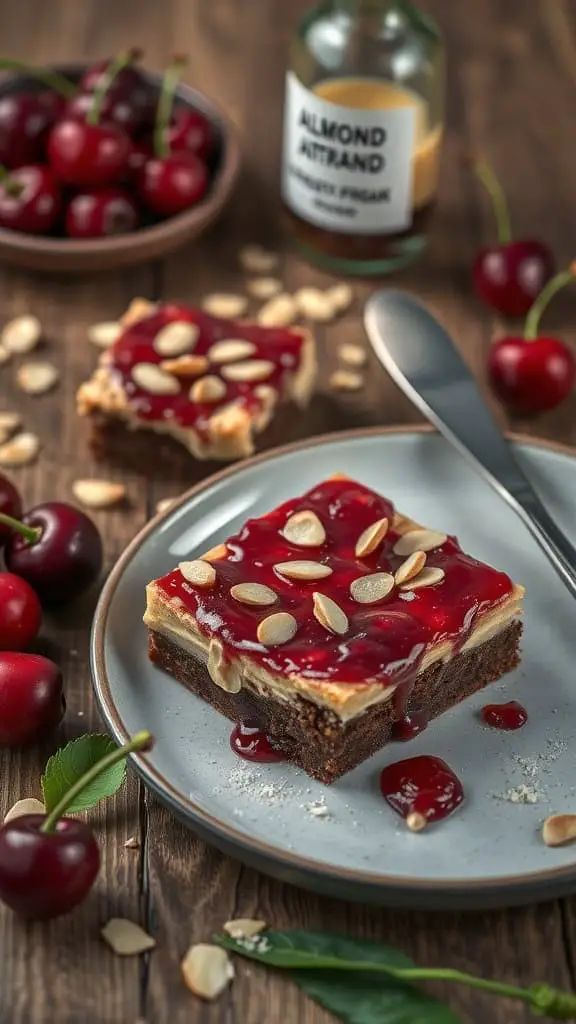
(200,385)
(331,619)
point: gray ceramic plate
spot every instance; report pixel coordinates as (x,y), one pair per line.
(490,852)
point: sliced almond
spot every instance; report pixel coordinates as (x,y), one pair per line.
(126,938)
(244,927)
(21,334)
(208,389)
(559,829)
(207,970)
(257,260)
(253,593)
(176,338)
(37,378)
(139,309)
(21,450)
(9,422)
(132,843)
(229,350)
(304,529)
(419,540)
(185,366)
(427,578)
(27,806)
(329,614)
(264,287)
(253,369)
(198,572)
(105,334)
(164,504)
(346,380)
(352,355)
(410,568)
(372,588)
(149,377)
(225,306)
(277,629)
(314,304)
(216,554)
(340,295)
(371,537)
(279,311)
(5,355)
(98,493)
(267,394)
(303,570)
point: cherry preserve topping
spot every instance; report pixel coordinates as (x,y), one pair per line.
(421,789)
(381,642)
(249,742)
(508,716)
(280,346)
(410,726)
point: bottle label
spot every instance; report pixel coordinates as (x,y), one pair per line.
(345,169)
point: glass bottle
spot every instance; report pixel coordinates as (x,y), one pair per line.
(363,125)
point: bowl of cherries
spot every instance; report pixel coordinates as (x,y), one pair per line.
(106,164)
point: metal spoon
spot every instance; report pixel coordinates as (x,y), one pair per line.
(421,358)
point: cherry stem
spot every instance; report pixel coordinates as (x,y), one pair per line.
(165,106)
(486,175)
(9,184)
(116,65)
(53,79)
(30,533)
(142,741)
(548,292)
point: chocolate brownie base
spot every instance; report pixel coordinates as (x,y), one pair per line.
(314,738)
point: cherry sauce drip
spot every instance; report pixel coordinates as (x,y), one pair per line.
(409,726)
(249,742)
(421,789)
(507,717)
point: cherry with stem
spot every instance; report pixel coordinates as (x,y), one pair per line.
(30,199)
(533,373)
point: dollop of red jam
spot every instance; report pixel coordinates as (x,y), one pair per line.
(422,785)
(410,726)
(281,346)
(384,642)
(507,717)
(249,742)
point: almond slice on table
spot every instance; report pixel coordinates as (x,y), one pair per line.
(105,334)
(279,311)
(149,377)
(198,572)
(9,423)
(251,370)
(225,306)
(559,829)
(253,593)
(98,493)
(255,259)
(303,570)
(36,378)
(20,450)
(229,350)
(126,938)
(207,970)
(371,537)
(340,296)
(428,577)
(264,287)
(372,588)
(244,927)
(132,843)
(314,304)
(410,568)
(304,529)
(176,338)
(277,629)
(329,614)
(165,503)
(21,334)
(29,805)
(346,380)
(419,540)
(185,366)
(208,389)
(352,355)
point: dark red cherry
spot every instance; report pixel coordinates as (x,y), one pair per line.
(10,505)
(57,549)
(25,120)
(113,110)
(31,698)
(128,84)
(191,131)
(46,874)
(101,213)
(20,613)
(140,153)
(168,185)
(88,155)
(30,200)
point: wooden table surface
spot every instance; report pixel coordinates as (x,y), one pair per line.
(512,94)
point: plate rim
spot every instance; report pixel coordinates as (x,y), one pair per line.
(186,809)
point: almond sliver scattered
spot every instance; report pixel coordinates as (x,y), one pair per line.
(244,927)
(126,938)
(207,970)
(21,334)
(29,805)
(105,334)
(20,450)
(98,493)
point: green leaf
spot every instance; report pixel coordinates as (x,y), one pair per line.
(316,949)
(67,765)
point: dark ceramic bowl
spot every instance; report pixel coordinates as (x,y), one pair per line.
(63,255)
